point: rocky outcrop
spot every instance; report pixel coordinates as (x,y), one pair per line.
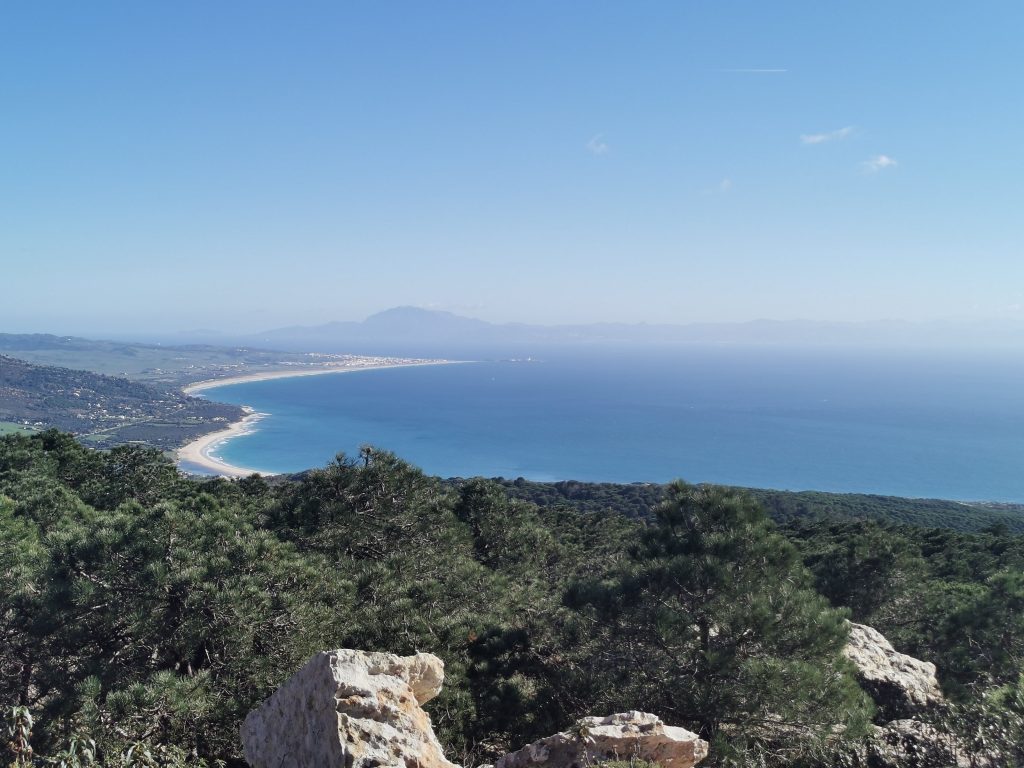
(623,736)
(907,694)
(902,686)
(349,709)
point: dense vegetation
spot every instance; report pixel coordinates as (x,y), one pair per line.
(143,614)
(105,409)
(637,499)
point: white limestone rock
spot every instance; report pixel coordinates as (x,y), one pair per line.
(349,709)
(901,685)
(616,737)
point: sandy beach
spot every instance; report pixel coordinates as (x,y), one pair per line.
(199,386)
(199,452)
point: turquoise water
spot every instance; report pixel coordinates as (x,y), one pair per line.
(893,423)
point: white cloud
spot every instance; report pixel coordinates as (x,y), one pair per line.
(597,145)
(878,163)
(725,185)
(821,138)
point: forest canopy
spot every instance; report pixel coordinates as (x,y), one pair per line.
(143,612)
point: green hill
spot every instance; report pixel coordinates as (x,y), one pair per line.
(162,365)
(105,410)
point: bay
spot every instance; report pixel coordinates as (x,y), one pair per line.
(921,424)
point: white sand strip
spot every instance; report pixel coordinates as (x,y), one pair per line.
(199,452)
(200,386)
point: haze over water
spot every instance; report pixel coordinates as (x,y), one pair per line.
(908,424)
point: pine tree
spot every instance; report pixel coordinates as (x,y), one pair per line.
(714,624)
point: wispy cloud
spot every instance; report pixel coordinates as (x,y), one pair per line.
(756,71)
(597,145)
(821,138)
(723,187)
(878,163)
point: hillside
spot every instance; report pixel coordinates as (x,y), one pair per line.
(151,612)
(163,365)
(105,410)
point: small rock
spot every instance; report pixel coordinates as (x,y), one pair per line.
(621,736)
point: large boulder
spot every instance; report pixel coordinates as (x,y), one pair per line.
(349,709)
(625,736)
(902,686)
(907,694)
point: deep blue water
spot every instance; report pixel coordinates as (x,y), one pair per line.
(908,424)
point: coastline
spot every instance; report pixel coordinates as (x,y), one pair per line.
(245,378)
(199,452)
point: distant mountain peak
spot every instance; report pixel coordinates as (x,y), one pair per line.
(409,319)
(408,310)
(409,313)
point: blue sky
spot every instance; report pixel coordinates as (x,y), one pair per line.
(246,165)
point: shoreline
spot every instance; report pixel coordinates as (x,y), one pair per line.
(245,378)
(198,452)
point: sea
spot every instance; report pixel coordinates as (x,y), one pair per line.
(931,424)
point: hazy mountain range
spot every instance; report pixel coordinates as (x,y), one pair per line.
(417,331)
(413,325)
